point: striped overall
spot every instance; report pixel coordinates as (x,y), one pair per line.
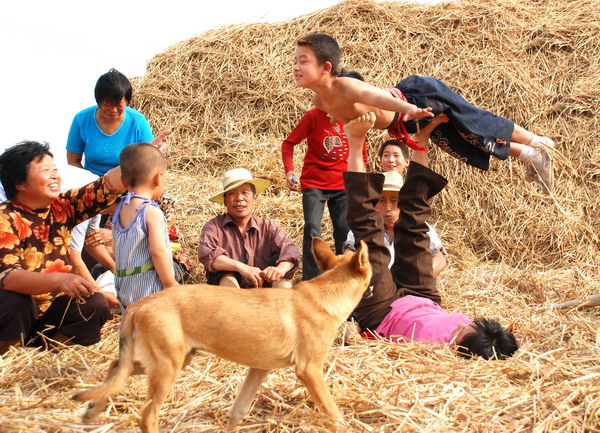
(135,276)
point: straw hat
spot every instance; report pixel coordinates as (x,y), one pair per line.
(393,181)
(236,177)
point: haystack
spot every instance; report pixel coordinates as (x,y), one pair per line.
(229,98)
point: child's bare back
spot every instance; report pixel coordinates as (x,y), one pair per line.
(340,101)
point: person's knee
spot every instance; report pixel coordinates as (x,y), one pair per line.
(312,229)
(283,283)
(229,280)
(17,315)
(97,306)
(79,322)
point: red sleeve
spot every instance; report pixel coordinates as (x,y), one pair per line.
(299,133)
(365,153)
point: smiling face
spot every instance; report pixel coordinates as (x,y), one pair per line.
(307,70)
(110,112)
(42,185)
(240,203)
(392,159)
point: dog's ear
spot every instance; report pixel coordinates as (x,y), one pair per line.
(361,258)
(323,255)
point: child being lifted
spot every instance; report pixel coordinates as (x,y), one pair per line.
(471,135)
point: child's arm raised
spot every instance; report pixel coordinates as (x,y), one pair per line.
(365,93)
(161,254)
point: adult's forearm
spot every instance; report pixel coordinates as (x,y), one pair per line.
(102,256)
(285,267)
(224,263)
(30,283)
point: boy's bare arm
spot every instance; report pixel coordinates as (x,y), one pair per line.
(160,253)
(356,91)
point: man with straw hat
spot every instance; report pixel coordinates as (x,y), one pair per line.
(241,250)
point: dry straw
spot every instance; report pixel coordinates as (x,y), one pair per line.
(230,99)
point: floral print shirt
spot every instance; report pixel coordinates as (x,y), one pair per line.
(38,240)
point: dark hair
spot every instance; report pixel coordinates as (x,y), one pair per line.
(112,87)
(138,162)
(490,341)
(352,74)
(14,164)
(326,49)
(392,142)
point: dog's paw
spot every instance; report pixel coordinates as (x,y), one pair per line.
(92,411)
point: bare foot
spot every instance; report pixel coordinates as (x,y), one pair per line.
(355,132)
(360,125)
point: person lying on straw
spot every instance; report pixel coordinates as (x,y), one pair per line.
(405,302)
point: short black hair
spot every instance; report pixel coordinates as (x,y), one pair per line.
(14,164)
(393,142)
(490,341)
(112,87)
(138,162)
(352,74)
(326,49)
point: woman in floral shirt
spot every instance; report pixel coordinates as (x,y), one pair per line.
(38,292)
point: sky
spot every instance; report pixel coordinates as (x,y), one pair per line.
(54,51)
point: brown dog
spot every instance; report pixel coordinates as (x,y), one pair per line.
(261,328)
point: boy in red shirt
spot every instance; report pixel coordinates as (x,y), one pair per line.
(321,179)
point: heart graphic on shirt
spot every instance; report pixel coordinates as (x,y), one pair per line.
(332,141)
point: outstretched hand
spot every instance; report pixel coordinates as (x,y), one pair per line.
(158,141)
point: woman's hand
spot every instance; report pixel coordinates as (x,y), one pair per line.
(74,286)
(158,141)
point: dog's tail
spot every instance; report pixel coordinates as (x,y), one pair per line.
(118,373)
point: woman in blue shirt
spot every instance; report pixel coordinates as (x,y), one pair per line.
(100,132)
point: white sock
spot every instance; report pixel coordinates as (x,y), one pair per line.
(530,155)
(534,138)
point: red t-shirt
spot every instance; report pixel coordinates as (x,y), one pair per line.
(327,150)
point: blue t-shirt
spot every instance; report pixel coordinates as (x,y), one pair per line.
(101,151)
